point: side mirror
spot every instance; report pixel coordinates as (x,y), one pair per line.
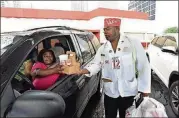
(170,49)
(37,104)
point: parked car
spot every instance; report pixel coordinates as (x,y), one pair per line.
(76,90)
(163,56)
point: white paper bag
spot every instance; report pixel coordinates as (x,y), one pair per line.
(148,108)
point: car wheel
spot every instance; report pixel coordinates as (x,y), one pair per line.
(174,99)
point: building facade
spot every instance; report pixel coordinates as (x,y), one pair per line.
(18,19)
(2,3)
(144,6)
(14,4)
(79,5)
(108,4)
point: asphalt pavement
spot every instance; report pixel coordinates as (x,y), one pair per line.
(95,108)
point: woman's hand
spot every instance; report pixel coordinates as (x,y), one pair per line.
(59,68)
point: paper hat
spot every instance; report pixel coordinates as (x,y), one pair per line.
(112,22)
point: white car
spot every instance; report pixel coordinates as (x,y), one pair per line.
(163,56)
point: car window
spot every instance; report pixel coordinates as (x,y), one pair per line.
(7,41)
(92,48)
(23,72)
(160,42)
(154,40)
(57,47)
(83,43)
(94,40)
(40,46)
(171,42)
(53,42)
(60,45)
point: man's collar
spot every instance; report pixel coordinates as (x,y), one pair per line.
(121,41)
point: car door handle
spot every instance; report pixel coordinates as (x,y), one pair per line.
(81,83)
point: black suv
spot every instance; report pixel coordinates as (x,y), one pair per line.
(75,90)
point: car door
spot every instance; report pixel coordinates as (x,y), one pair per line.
(95,81)
(155,53)
(151,51)
(13,59)
(86,57)
(73,88)
(167,59)
(10,62)
(66,85)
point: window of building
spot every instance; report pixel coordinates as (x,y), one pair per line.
(149,13)
(143,5)
(147,9)
(135,4)
(153,2)
(153,6)
(152,17)
(153,12)
(142,10)
(139,7)
(132,6)
(147,3)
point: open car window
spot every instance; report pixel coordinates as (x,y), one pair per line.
(60,45)
(6,42)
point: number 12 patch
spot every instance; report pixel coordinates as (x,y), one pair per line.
(115,63)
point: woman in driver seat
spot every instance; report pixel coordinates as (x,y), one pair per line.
(43,74)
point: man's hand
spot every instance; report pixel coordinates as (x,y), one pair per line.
(81,71)
(144,94)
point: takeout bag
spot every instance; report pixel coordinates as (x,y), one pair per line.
(148,108)
(71,66)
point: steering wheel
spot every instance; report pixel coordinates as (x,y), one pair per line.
(27,80)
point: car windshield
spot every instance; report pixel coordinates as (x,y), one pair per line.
(175,35)
(6,42)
